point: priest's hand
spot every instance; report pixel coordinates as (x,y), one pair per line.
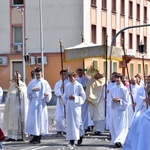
(71,97)
(46,94)
(116,100)
(35,89)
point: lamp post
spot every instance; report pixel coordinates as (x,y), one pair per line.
(41,36)
(141,51)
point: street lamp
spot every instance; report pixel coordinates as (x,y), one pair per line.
(141,48)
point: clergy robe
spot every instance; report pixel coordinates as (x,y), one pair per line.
(95,98)
(37,119)
(119,114)
(140,104)
(110,86)
(1,94)
(138,137)
(85,113)
(73,110)
(60,114)
(12,117)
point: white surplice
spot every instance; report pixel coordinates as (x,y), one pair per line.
(119,114)
(110,86)
(37,119)
(85,112)
(60,114)
(138,137)
(73,110)
(15,112)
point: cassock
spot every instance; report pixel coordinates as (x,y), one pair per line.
(110,86)
(95,97)
(119,114)
(60,114)
(73,110)
(37,119)
(138,137)
(85,113)
(13,118)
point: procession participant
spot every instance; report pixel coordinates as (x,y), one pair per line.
(1,94)
(59,89)
(15,111)
(139,133)
(119,112)
(85,113)
(95,98)
(74,97)
(139,79)
(38,92)
(109,87)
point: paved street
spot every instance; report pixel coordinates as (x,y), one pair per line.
(52,142)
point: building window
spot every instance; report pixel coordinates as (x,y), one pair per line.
(122,39)
(145,14)
(146,69)
(113,34)
(113,5)
(104,4)
(139,68)
(145,44)
(138,11)
(137,41)
(93,30)
(131,70)
(104,68)
(130,41)
(130,9)
(115,67)
(17,35)
(17,2)
(122,7)
(93,2)
(95,64)
(104,34)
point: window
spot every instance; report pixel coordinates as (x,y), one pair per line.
(95,64)
(145,14)
(139,68)
(131,70)
(113,34)
(138,12)
(93,30)
(17,35)
(122,39)
(104,4)
(93,2)
(145,44)
(113,5)
(104,34)
(137,41)
(130,9)
(146,69)
(104,68)
(18,2)
(115,66)
(130,41)
(122,7)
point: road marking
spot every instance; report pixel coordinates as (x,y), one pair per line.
(33,147)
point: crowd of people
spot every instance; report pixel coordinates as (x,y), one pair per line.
(83,104)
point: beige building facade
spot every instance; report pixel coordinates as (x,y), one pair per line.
(67,20)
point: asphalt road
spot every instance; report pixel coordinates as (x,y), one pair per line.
(52,142)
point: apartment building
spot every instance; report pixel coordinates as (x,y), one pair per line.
(66,20)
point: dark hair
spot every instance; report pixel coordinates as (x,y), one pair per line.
(118,75)
(62,71)
(79,69)
(38,69)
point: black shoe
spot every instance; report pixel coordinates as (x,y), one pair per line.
(19,139)
(58,133)
(9,139)
(97,133)
(118,145)
(80,140)
(35,140)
